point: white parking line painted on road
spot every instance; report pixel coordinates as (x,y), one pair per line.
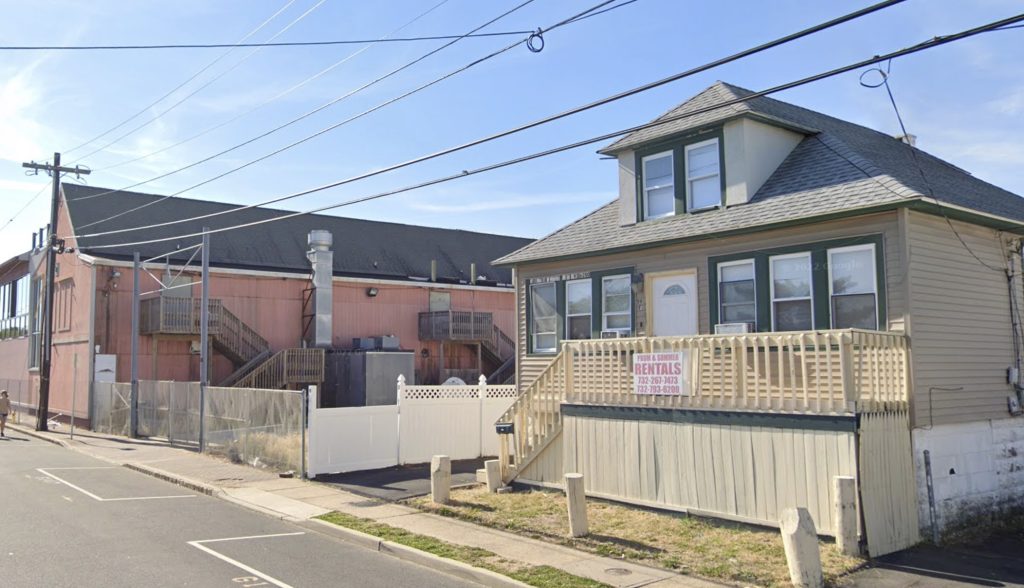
(100,498)
(199,545)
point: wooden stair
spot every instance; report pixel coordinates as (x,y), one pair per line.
(536,419)
(288,367)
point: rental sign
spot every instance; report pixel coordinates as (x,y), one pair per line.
(662,374)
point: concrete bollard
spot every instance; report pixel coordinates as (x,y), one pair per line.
(801,543)
(440,478)
(846,515)
(577,501)
(493,469)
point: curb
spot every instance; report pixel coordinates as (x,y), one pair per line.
(201,487)
(422,558)
(33,433)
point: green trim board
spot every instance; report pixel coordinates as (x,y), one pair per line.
(596,304)
(812,422)
(914,203)
(819,279)
(677,145)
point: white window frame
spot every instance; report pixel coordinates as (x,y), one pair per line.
(771,284)
(689,180)
(645,189)
(533,316)
(628,312)
(874,278)
(590,314)
(753,272)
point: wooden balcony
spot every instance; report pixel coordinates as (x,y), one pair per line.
(182,316)
(455,325)
(838,372)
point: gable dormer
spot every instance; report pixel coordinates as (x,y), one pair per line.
(706,160)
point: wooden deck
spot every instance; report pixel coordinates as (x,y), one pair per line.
(821,372)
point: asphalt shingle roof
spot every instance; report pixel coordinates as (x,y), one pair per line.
(838,167)
(361,248)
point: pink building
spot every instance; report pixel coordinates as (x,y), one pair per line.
(412,283)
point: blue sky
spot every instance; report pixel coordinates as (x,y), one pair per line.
(965,102)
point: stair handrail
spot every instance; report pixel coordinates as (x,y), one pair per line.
(242,338)
(287,366)
(536,414)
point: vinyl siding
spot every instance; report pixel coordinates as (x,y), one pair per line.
(960,322)
(695,255)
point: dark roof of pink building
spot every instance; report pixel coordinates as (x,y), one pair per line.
(362,248)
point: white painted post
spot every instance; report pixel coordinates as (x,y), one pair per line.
(846,515)
(577,502)
(493,469)
(398,420)
(481,394)
(801,544)
(440,478)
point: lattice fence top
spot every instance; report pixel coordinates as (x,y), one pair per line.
(456,392)
(438,392)
(502,391)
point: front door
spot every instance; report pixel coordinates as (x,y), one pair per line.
(674,303)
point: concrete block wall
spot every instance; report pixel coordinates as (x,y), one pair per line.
(977,471)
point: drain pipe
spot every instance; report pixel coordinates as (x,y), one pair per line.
(931,495)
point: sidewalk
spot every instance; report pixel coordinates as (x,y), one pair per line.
(299,500)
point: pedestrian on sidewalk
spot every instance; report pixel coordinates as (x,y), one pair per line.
(5,409)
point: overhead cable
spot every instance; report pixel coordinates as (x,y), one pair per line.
(205,85)
(179,86)
(925,45)
(621,95)
(277,96)
(322,131)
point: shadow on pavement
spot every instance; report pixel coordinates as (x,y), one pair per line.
(401,482)
(997,562)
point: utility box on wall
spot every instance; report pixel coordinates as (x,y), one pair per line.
(365,378)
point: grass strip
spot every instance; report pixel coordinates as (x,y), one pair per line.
(539,576)
(717,550)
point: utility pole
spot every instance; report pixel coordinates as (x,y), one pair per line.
(53,243)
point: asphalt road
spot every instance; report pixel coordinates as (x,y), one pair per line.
(69,520)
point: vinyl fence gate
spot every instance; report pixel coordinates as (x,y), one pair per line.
(457,421)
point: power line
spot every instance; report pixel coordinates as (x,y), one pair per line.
(181,85)
(205,85)
(934,42)
(280,95)
(261,45)
(350,119)
(24,207)
(521,128)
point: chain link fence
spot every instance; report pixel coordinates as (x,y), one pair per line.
(262,428)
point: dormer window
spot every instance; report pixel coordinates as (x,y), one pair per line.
(703,184)
(683,175)
(659,185)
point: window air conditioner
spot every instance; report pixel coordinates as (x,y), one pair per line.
(733,328)
(611,334)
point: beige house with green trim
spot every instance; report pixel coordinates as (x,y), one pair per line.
(777,298)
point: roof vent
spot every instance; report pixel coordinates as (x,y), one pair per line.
(908,139)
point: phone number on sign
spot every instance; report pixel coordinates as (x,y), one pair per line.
(672,389)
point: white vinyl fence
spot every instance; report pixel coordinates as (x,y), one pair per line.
(457,421)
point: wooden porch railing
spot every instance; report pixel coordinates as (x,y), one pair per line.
(285,368)
(830,372)
(455,325)
(182,316)
(819,372)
